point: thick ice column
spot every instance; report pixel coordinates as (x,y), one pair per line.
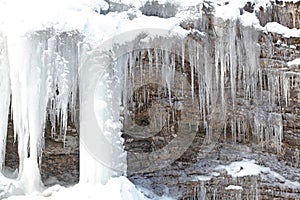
(5,97)
(29,100)
(101,80)
(101,149)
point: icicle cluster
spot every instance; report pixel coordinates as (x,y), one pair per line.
(212,80)
(39,72)
(221,78)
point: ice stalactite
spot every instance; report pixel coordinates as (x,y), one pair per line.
(42,69)
(225,80)
(157,99)
(230,77)
(5,97)
(101,149)
(230,85)
(62,60)
(269,129)
(29,101)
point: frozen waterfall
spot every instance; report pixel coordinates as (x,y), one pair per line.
(207,77)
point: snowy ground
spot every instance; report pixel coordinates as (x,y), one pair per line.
(117,189)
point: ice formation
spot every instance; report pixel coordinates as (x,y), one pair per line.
(218,71)
(40,74)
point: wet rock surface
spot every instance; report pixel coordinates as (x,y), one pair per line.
(60,164)
(60,161)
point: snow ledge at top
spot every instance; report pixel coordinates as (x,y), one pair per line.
(102,18)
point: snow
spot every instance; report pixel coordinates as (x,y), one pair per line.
(203,178)
(247,167)
(234,187)
(140,3)
(231,10)
(249,19)
(294,62)
(244,168)
(275,27)
(117,189)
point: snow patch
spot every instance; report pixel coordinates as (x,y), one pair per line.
(244,168)
(294,62)
(203,178)
(117,189)
(249,168)
(234,187)
(275,27)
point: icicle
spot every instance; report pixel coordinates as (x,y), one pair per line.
(5,98)
(62,61)
(183,55)
(150,58)
(29,101)
(269,129)
(286,87)
(232,54)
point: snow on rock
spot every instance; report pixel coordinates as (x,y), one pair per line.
(231,10)
(250,19)
(275,27)
(244,168)
(234,187)
(203,178)
(31,15)
(140,3)
(249,168)
(294,62)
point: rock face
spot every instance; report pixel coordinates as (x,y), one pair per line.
(276,51)
(195,174)
(60,161)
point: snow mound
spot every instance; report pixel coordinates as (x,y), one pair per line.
(234,187)
(250,168)
(117,189)
(294,62)
(275,27)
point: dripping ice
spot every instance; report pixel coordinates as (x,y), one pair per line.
(49,80)
(41,69)
(40,73)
